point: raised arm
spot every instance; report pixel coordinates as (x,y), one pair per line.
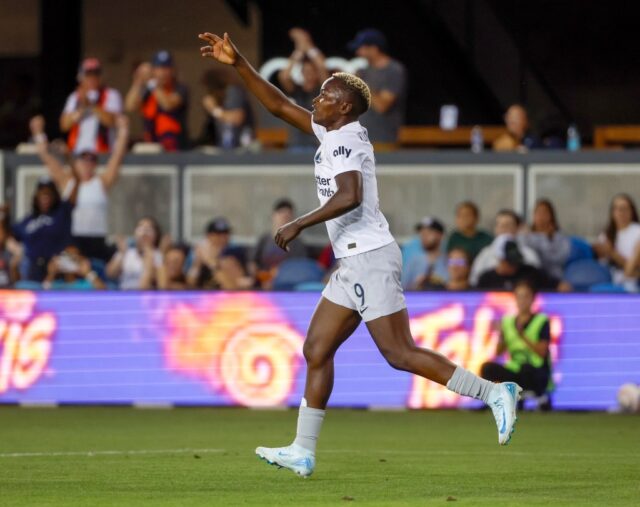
(56,170)
(112,171)
(224,51)
(133,98)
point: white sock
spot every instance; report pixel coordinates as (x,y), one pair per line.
(469,384)
(309,424)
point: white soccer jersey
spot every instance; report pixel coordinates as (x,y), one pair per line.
(348,149)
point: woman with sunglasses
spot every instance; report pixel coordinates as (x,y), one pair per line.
(89,221)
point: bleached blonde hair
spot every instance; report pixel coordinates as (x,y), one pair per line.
(357,85)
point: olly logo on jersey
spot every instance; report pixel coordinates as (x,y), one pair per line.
(341,150)
(318,157)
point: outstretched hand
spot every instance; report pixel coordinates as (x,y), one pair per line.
(221,49)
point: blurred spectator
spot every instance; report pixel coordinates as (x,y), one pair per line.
(458,267)
(387,79)
(170,275)
(466,234)
(457,274)
(90,111)
(310,60)
(525,337)
(430,267)
(511,268)
(216,264)
(85,188)
(46,231)
(162,102)
(518,136)
(10,252)
(551,245)
(268,255)
(507,224)
(229,113)
(134,265)
(620,241)
(71,270)
(18,104)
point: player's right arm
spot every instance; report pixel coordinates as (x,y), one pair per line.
(224,51)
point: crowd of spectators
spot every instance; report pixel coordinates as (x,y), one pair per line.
(63,242)
(57,246)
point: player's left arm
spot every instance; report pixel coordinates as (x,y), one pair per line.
(347,197)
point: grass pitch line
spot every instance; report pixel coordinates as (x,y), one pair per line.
(107,453)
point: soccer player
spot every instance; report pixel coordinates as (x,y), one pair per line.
(366,286)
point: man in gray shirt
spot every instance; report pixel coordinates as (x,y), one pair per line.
(387,79)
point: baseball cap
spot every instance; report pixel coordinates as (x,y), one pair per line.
(368,37)
(89,65)
(218,225)
(162,59)
(430,223)
(506,249)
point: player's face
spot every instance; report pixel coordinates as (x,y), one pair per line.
(326,105)
(524,298)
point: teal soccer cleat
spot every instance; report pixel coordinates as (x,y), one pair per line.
(295,458)
(503,401)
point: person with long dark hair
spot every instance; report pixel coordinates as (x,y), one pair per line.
(545,237)
(620,240)
(46,231)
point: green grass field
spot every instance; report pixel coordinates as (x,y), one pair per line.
(193,457)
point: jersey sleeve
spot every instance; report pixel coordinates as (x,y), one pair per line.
(318,130)
(347,153)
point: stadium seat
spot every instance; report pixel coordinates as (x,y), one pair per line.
(27,285)
(293,272)
(580,249)
(584,273)
(309,287)
(411,248)
(607,288)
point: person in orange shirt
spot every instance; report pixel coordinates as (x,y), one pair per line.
(162,101)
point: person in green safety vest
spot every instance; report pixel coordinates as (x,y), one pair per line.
(526,337)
